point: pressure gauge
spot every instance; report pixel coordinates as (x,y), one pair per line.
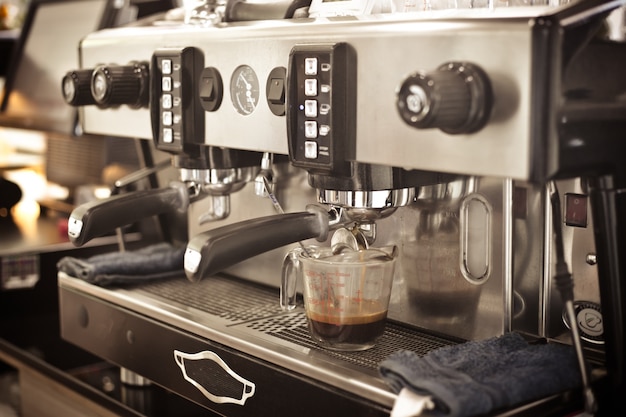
(244,89)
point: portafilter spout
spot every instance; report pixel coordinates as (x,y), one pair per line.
(371,193)
(215,250)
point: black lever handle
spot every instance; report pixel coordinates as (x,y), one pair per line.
(215,250)
(96,218)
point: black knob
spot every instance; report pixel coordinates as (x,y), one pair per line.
(76,87)
(115,85)
(456,98)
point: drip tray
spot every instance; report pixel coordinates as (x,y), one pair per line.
(257,309)
(243,316)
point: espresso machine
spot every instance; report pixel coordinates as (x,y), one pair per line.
(479,141)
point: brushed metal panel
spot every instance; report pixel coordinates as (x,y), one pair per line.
(429,289)
(387,49)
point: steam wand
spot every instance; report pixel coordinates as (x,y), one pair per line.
(278,207)
(565,285)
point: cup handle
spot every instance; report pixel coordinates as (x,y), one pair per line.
(289,280)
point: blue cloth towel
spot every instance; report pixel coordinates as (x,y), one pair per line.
(153,262)
(477,377)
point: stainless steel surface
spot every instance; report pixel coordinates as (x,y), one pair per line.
(579,243)
(249,319)
(219,181)
(429,280)
(368,199)
(131,378)
(505,143)
(517,295)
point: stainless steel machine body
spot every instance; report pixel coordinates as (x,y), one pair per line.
(388,49)
(476,250)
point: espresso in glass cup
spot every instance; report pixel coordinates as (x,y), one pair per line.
(346,294)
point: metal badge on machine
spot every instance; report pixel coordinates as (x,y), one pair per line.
(213,377)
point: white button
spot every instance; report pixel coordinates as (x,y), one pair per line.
(167,118)
(192,261)
(74,227)
(166,84)
(167,101)
(166,66)
(168,135)
(310,66)
(310,108)
(310,149)
(310,129)
(325,109)
(324,129)
(310,87)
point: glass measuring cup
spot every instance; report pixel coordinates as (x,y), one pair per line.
(346,295)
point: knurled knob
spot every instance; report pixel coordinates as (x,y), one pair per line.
(455,98)
(76,87)
(115,85)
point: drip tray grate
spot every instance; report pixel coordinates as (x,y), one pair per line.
(395,338)
(256,308)
(230,299)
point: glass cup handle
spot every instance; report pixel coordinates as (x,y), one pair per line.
(289,280)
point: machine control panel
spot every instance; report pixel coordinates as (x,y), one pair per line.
(321,107)
(175,110)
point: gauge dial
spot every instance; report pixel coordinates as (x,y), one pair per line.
(244,89)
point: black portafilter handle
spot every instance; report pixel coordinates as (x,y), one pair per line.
(215,250)
(96,218)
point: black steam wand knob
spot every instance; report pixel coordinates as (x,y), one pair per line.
(115,85)
(76,88)
(456,98)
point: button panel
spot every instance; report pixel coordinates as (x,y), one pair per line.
(322,107)
(177,117)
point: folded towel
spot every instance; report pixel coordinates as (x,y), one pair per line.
(477,377)
(153,262)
